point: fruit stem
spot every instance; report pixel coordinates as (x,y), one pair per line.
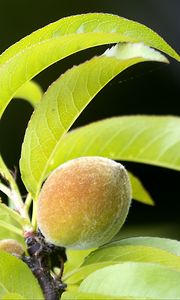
(28,202)
(34,215)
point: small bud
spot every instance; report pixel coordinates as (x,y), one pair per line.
(11,246)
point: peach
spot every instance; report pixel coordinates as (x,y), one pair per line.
(11,246)
(84,202)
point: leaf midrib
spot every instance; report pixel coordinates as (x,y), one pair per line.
(114,34)
(5,289)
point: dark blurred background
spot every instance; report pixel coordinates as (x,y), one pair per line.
(149,88)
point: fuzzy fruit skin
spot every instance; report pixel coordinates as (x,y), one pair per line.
(11,246)
(84,202)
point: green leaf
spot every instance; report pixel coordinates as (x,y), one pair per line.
(146,139)
(34,53)
(5,173)
(4,209)
(16,277)
(11,228)
(74,259)
(121,253)
(126,138)
(64,102)
(10,224)
(75,295)
(13,296)
(79,274)
(145,249)
(115,253)
(31,92)
(137,280)
(139,192)
(12,191)
(7,233)
(169,245)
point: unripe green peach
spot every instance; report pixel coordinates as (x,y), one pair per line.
(84,202)
(11,246)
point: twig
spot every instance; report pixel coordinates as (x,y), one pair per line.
(40,262)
